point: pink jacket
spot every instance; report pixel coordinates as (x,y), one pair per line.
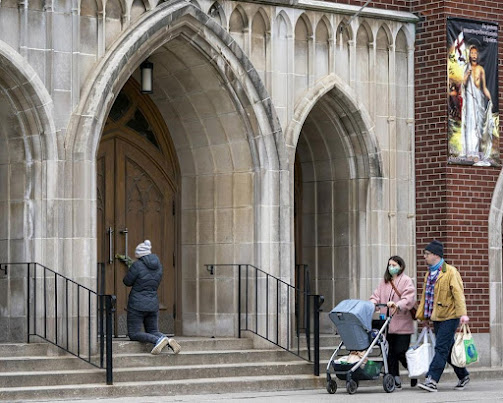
(402,322)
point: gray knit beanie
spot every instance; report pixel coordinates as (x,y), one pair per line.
(143,249)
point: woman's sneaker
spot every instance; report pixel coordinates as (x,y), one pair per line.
(398,382)
(173,344)
(462,383)
(161,343)
(429,384)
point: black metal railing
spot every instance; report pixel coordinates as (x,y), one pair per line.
(67,314)
(303,284)
(278,312)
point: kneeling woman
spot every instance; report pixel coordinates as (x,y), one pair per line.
(399,293)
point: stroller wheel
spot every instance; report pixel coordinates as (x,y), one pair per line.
(331,386)
(352,386)
(388,383)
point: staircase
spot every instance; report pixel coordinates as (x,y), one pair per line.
(40,371)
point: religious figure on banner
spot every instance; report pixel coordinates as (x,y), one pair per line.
(478,125)
(472,93)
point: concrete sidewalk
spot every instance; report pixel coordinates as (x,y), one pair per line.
(372,391)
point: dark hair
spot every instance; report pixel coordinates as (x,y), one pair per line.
(401,263)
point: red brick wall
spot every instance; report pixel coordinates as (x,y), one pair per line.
(452,201)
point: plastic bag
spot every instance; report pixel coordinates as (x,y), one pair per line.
(419,356)
(464,352)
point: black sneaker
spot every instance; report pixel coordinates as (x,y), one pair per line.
(429,384)
(413,382)
(398,383)
(462,383)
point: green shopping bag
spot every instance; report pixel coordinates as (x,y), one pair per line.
(464,352)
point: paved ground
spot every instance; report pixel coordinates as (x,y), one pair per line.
(476,391)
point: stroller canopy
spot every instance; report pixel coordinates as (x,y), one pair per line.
(353,319)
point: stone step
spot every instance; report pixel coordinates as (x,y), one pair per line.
(200,358)
(40,363)
(125,346)
(205,365)
(139,360)
(158,373)
(164,388)
(29,349)
(19,363)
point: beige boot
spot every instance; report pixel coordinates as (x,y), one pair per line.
(161,343)
(173,344)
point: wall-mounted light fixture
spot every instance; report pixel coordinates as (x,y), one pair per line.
(147,77)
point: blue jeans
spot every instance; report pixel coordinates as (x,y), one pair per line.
(136,320)
(444,332)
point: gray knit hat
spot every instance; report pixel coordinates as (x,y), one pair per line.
(435,247)
(143,249)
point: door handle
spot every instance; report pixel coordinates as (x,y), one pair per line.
(110,232)
(125,232)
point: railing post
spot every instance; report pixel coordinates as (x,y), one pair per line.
(318,301)
(307,322)
(28,302)
(239,301)
(110,304)
(101,330)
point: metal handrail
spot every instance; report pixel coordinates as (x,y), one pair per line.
(53,300)
(259,292)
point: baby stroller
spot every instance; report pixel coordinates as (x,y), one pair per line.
(353,319)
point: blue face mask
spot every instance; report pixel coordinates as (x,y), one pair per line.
(393,270)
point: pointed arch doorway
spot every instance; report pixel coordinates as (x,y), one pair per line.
(137,198)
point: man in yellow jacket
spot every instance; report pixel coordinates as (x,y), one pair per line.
(443,302)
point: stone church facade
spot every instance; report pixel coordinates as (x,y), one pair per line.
(278,132)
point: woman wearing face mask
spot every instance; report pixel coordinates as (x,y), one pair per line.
(399,293)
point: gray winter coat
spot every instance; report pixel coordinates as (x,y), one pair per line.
(144,276)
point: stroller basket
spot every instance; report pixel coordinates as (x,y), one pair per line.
(371,370)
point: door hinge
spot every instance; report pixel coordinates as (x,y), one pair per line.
(174,260)
(174,207)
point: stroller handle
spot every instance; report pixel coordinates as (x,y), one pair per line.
(389,312)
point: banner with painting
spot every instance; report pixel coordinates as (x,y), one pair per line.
(472,88)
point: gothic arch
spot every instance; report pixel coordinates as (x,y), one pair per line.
(322,48)
(496,274)
(112,72)
(305,19)
(238,26)
(408,35)
(357,117)
(389,36)
(365,26)
(197,47)
(244,17)
(325,21)
(265,17)
(336,148)
(31,100)
(29,179)
(283,16)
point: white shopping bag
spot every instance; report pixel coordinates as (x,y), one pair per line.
(420,355)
